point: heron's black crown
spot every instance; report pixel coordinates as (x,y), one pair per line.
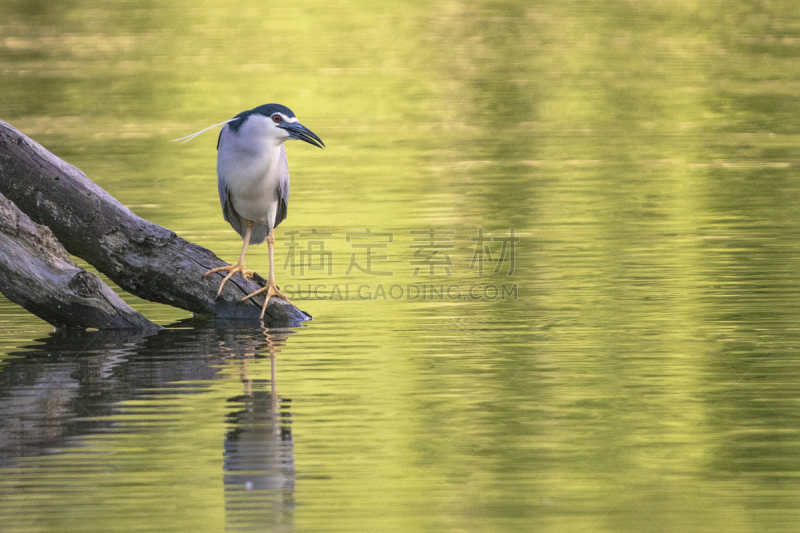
(267,110)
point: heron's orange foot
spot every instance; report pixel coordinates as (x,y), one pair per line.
(272,290)
(238,267)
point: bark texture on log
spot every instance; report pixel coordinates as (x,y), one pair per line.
(37,273)
(143,258)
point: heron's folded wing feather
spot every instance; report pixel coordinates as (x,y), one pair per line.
(283,188)
(231,216)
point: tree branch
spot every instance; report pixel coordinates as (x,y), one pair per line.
(37,273)
(143,258)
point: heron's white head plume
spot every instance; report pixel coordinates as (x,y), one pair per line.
(193,135)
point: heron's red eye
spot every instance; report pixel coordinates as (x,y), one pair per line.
(276,118)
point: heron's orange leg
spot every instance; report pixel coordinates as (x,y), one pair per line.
(239,266)
(271,289)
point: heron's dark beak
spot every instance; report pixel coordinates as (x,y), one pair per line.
(298,131)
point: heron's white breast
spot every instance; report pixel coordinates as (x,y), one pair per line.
(247,166)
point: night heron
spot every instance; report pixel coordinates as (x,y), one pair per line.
(253,181)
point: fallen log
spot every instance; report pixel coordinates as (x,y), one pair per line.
(37,273)
(143,258)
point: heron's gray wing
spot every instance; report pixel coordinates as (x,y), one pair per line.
(230,214)
(283,188)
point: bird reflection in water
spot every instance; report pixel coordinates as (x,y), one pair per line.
(259,451)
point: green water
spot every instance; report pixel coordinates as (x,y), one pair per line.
(633,366)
